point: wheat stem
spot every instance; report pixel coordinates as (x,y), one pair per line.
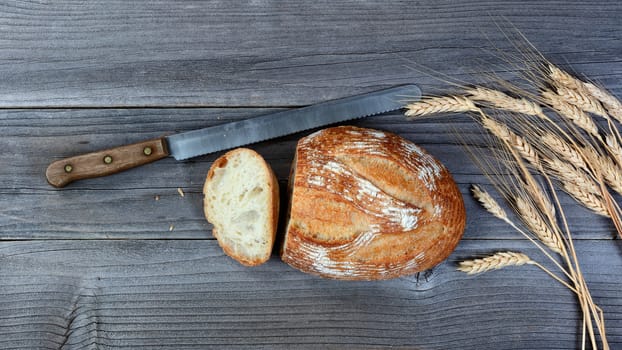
(557,278)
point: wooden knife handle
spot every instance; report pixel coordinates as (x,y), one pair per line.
(106,162)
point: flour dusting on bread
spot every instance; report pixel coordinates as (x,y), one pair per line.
(368,204)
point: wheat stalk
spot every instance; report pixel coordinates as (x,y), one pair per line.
(500,100)
(494,262)
(567,155)
(442,104)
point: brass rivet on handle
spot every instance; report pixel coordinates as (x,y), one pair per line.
(107,159)
(147,151)
(68,168)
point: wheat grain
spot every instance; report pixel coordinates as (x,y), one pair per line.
(486,200)
(500,100)
(442,104)
(494,262)
(571,112)
(537,225)
(610,102)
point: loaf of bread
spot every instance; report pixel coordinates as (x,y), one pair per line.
(368,205)
(241,200)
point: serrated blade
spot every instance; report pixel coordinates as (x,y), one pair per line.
(212,139)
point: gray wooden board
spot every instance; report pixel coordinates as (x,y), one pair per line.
(259,53)
(95,265)
(125,205)
(187,294)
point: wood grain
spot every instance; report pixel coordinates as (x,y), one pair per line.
(97,266)
(241,53)
(125,206)
(189,295)
(62,172)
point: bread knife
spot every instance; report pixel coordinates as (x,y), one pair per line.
(230,135)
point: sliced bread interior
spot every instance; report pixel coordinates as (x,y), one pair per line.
(241,201)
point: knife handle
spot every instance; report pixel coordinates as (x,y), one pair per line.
(106,162)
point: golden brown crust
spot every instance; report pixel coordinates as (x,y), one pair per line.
(272,210)
(369,205)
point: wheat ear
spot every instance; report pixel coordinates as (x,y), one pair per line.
(578,184)
(564,150)
(494,262)
(486,200)
(571,112)
(587,198)
(610,170)
(582,100)
(504,259)
(610,102)
(499,100)
(575,91)
(536,224)
(613,147)
(563,78)
(442,104)
(513,140)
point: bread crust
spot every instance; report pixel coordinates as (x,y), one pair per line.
(272,209)
(368,205)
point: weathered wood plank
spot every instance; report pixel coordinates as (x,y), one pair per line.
(124,205)
(223,53)
(187,295)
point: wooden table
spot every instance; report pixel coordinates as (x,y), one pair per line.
(126,262)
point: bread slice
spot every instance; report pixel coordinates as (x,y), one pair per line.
(241,200)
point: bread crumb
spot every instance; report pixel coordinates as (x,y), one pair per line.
(171,228)
(180,191)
